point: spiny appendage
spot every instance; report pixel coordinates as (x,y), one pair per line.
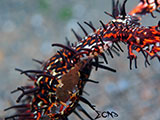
(145,40)
(146,6)
(127,29)
(106,38)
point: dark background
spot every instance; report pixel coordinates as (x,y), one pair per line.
(29,27)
